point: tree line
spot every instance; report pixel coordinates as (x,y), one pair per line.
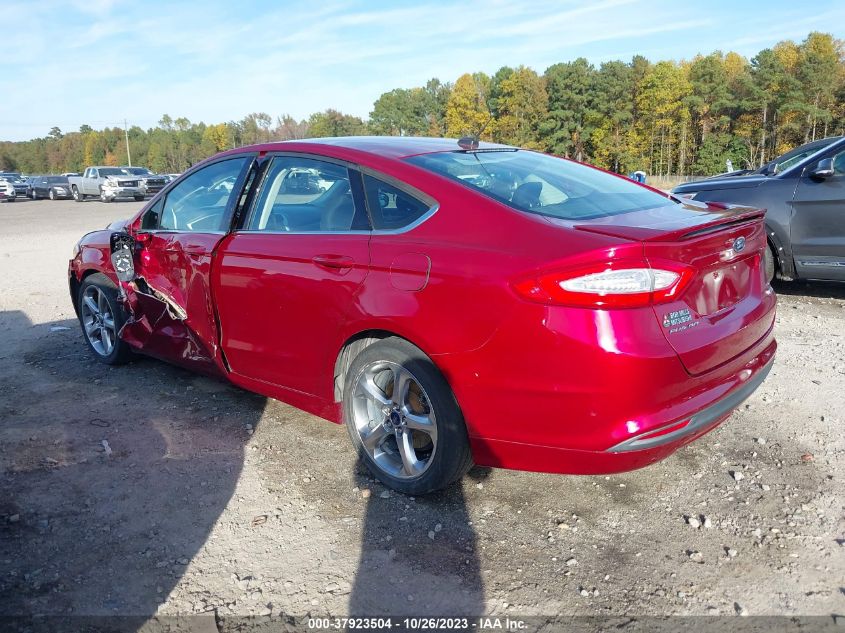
(668,117)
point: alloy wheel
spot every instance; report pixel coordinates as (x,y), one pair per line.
(98,321)
(394,419)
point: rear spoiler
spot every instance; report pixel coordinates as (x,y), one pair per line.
(722,216)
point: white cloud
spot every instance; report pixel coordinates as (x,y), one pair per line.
(102,60)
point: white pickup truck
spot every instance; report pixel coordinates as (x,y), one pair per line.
(108,183)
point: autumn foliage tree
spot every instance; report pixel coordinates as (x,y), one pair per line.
(686,117)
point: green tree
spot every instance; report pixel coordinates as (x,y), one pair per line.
(820,73)
(401,112)
(334,123)
(521,106)
(566,127)
(612,113)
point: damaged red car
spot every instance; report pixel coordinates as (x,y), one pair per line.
(451,302)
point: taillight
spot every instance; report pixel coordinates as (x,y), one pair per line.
(614,285)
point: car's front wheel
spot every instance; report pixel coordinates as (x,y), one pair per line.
(103,196)
(33,194)
(52,194)
(403,418)
(102,317)
(139,198)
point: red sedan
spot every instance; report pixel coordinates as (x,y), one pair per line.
(450,303)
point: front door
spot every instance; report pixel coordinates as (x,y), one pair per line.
(818,225)
(170,307)
(285,282)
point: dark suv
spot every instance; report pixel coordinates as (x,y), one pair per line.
(804,194)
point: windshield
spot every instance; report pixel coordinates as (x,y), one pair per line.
(541,184)
(56,179)
(136,171)
(795,156)
(111,171)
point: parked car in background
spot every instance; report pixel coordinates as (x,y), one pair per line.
(450,303)
(69,173)
(53,187)
(151,183)
(108,183)
(803,192)
(17,181)
(7,190)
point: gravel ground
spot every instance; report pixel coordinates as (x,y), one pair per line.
(145,489)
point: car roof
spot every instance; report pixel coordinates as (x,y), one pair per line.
(387,146)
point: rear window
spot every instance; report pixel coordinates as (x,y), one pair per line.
(541,184)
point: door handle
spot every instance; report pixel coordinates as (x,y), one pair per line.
(334,262)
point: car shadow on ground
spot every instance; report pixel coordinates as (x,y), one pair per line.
(419,561)
(815,289)
(110,479)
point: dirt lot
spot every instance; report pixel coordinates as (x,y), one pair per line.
(213,500)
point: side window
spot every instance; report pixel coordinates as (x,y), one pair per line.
(391,207)
(839,163)
(199,202)
(150,220)
(304,194)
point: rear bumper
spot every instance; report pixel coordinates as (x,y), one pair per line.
(633,453)
(704,420)
(591,392)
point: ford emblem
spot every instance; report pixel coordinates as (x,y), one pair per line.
(739,244)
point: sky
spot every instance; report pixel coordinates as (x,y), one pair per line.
(98,62)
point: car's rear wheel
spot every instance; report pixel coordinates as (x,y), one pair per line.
(769,263)
(403,418)
(77,194)
(102,317)
(139,198)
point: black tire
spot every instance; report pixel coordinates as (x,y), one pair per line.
(121,352)
(51,194)
(139,198)
(769,265)
(33,194)
(452,457)
(77,195)
(10,199)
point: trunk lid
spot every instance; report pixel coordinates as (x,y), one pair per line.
(728,306)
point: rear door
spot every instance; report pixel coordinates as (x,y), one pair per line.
(284,283)
(817,229)
(170,302)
